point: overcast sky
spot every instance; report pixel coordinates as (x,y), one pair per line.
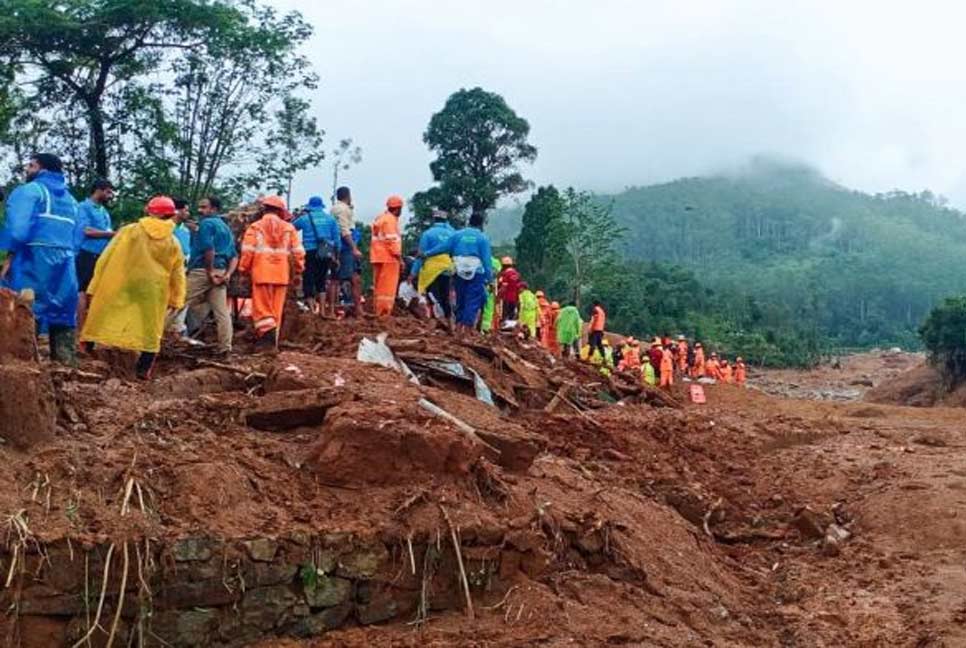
(624,92)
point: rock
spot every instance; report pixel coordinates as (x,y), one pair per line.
(317,624)
(381,608)
(207,593)
(185,628)
(274,573)
(363,563)
(835,537)
(931,440)
(281,411)
(28,410)
(266,607)
(45,601)
(261,549)
(810,524)
(328,591)
(192,549)
(517,452)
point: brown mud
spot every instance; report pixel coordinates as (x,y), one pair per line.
(307,499)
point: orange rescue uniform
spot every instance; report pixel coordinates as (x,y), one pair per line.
(741,374)
(667,368)
(683,356)
(597,319)
(385,254)
(699,368)
(713,369)
(726,374)
(549,331)
(271,250)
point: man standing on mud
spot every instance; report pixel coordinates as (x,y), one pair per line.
(97,234)
(213,261)
(350,256)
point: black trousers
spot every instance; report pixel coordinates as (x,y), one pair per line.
(596,340)
(440,290)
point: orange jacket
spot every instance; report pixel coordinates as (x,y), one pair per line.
(713,370)
(741,374)
(597,319)
(271,248)
(726,374)
(386,242)
(667,362)
(682,354)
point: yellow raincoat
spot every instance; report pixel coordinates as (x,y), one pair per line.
(137,278)
(528,311)
(432,268)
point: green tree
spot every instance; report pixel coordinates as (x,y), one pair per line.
(422,205)
(541,216)
(944,335)
(77,51)
(293,144)
(582,244)
(479,141)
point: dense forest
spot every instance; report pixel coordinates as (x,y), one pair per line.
(778,253)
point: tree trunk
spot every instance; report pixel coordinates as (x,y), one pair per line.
(98,139)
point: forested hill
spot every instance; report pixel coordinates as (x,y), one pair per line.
(797,248)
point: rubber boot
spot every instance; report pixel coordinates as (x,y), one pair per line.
(144,368)
(63,345)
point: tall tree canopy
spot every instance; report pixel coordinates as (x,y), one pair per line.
(479,142)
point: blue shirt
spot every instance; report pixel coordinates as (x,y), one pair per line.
(213,234)
(432,237)
(183,236)
(468,242)
(95,216)
(324,223)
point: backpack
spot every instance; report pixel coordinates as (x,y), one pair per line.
(325,250)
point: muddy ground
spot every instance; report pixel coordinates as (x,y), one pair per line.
(601,517)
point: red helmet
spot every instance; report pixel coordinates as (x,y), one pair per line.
(161,206)
(394,201)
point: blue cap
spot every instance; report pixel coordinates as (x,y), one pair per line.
(315,201)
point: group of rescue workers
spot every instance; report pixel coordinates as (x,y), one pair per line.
(168,272)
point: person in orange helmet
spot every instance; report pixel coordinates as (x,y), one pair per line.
(741,372)
(727,376)
(272,252)
(550,341)
(598,322)
(385,254)
(543,309)
(713,369)
(683,355)
(667,367)
(699,368)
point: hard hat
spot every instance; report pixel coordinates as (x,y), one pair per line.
(394,201)
(275,201)
(555,305)
(629,340)
(680,337)
(540,293)
(507,261)
(739,359)
(606,342)
(656,342)
(161,206)
(697,345)
(714,355)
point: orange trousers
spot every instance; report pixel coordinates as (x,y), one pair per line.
(268,303)
(667,377)
(385,280)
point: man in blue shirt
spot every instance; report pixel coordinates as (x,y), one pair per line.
(98,232)
(213,261)
(176,322)
(41,233)
(471,252)
(436,276)
(322,240)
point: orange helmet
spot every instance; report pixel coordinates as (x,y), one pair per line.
(160,206)
(394,201)
(507,261)
(555,305)
(275,201)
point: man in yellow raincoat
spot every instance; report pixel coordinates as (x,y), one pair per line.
(528,311)
(136,280)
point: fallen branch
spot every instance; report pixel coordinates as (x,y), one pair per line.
(241,371)
(557,398)
(463,426)
(459,560)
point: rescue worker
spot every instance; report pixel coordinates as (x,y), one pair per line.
(42,229)
(490,311)
(273,254)
(656,354)
(472,254)
(137,279)
(682,355)
(385,255)
(551,342)
(434,275)
(97,234)
(667,367)
(713,369)
(322,242)
(608,365)
(528,311)
(350,257)
(569,329)
(543,310)
(647,372)
(598,320)
(508,289)
(631,356)
(741,372)
(727,376)
(214,260)
(176,323)
(699,368)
